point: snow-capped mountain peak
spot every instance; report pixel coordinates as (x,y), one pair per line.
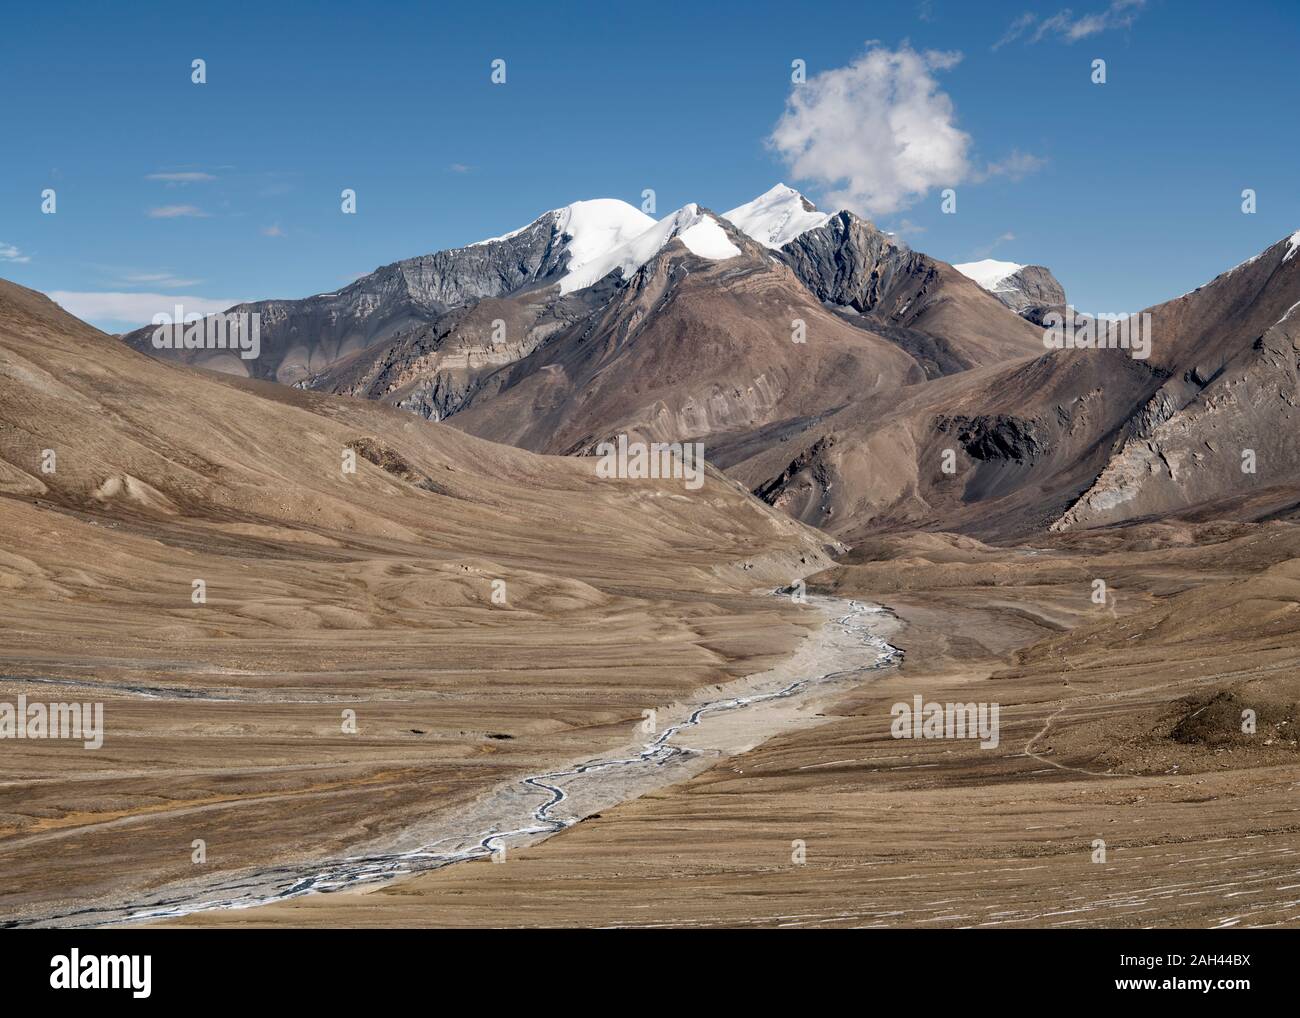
(1028,290)
(698,230)
(777,216)
(593,226)
(989,273)
(598,226)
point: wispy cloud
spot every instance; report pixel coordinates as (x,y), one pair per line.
(273,230)
(1016,166)
(460,168)
(987,250)
(187,177)
(132,310)
(9,253)
(176,212)
(164,279)
(906,228)
(1065,26)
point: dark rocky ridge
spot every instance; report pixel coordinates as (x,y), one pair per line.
(304,337)
(851,263)
(946,321)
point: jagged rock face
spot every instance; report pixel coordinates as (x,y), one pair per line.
(1033,292)
(801,489)
(996,436)
(850,263)
(1033,285)
(944,320)
(1221,428)
(301,338)
(1234,439)
(434,369)
(452,278)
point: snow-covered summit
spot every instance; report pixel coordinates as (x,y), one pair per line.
(593,226)
(599,226)
(989,273)
(1031,291)
(605,234)
(777,216)
(699,231)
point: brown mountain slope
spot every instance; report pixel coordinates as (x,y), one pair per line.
(1223,423)
(435,368)
(744,353)
(693,349)
(1074,437)
(689,347)
(324,592)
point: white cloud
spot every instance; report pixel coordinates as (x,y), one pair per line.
(272,231)
(190,177)
(176,211)
(133,310)
(1064,25)
(9,253)
(879,133)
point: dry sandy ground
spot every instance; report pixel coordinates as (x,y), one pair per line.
(1119,724)
(370,592)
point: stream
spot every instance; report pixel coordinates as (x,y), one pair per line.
(533,808)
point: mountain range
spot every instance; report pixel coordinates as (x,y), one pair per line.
(841,376)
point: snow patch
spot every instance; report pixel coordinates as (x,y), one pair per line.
(709,240)
(1293,245)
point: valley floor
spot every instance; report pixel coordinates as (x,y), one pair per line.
(1120,724)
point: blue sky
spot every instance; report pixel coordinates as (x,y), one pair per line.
(1130,191)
